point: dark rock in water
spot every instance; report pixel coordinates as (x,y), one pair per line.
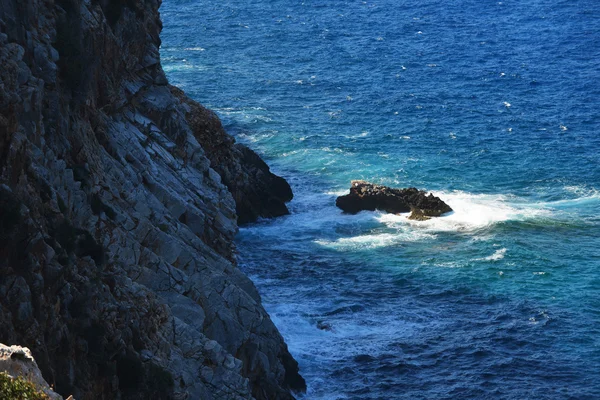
(418,215)
(324,326)
(367,196)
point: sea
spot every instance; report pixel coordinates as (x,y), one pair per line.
(494,106)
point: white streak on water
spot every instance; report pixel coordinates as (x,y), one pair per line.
(498,255)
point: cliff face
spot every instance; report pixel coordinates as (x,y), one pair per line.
(256,191)
(117,264)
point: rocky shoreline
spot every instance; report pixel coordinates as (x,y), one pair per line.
(120,200)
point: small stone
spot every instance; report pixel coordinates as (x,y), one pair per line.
(418,215)
(324,326)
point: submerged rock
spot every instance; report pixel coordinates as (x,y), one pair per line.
(418,215)
(324,326)
(368,196)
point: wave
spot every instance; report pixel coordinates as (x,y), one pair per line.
(315,217)
(498,255)
(372,241)
(472,212)
(582,196)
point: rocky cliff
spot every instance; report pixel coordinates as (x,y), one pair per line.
(118,199)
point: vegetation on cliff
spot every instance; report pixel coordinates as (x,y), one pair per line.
(19,388)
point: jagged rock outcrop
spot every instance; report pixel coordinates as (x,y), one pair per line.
(117,264)
(256,190)
(17,361)
(367,196)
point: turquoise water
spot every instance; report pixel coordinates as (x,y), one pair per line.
(493,106)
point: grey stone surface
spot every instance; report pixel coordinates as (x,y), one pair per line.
(117,259)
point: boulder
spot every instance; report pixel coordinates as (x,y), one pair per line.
(368,196)
(417,214)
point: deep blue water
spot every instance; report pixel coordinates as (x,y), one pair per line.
(495,107)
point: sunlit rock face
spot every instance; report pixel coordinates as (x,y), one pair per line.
(117,264)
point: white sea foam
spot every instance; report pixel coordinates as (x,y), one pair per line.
(584,196)
(360,135)
(471,212)
(498,255)
(184,67)
(337,193)
(373,241)
(333,343)
(315,216)
(450,264)
(255,138)
(312,214)
(583,192)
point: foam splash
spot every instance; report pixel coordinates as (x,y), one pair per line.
(472,212)
(353,334)
(315,214)
(312,213)
(337,193)
(583,195)
(334,344)
(373,241)
(498,255)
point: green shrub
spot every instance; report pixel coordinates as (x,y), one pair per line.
(19,389)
